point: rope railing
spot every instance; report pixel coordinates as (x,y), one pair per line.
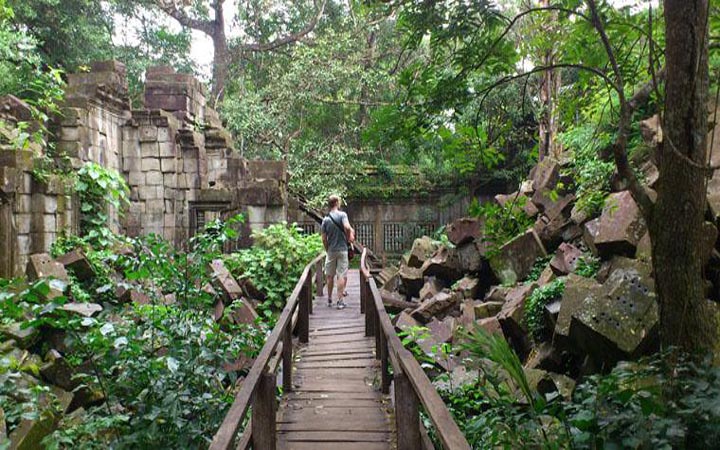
(412,386)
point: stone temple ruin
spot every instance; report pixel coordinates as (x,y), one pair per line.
(176,156)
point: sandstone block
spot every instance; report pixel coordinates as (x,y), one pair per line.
(421,250)
(168,165)
(515,259)
(78,263)
(150,164)
(411,279)
(41,265)
(621,226)
(431,288)
(437,305)
(225,281)
(566,259)
(464,230)
(154,178)
(444,264)
(468,287)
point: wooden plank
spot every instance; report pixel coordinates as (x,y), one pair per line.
(335,436)
(334,445)
(330,352)
(328,423)
(317,395)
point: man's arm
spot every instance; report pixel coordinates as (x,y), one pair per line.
(349,231)
(325,241)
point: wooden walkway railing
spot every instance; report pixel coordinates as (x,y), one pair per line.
(259,386)
(412,386)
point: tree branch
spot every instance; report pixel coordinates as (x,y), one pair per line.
(268,46)
(171,8)
(620,145)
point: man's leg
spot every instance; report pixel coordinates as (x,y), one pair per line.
(330,270)
(330,282)
(342,281)
(341,271)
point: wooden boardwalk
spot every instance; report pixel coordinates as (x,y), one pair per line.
(336,402)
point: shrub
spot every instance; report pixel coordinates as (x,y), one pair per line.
(274,263)
(535,306)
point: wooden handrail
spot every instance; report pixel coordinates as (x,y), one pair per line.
(259,376)
(412,385)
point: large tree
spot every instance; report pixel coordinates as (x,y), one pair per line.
(677,219)
(209,18)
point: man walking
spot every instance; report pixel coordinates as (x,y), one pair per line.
(337,235)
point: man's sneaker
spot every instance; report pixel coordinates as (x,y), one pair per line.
(340,304)
(329,302)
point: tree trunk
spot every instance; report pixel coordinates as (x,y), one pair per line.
(685,317)
(547,125)
(221,56)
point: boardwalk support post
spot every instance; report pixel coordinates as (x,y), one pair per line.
(263,413)
(287,356)
(303,323)
(319,278)
(385,366)
(309,294)
(407,419)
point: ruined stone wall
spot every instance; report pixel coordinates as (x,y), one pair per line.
(32,211)
(174,153)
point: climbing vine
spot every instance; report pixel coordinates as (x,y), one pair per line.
(99,189)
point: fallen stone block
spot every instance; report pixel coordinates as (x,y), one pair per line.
(468,286)
(620,322)
(431,288)
(512,319)
(517,200)
(487,309)
(24,337)
(133,295)
(436,305)
(242,312)
(41,265)
(225,281)
(516,258)
(404,321)
(445,265)
(386,275)
(78,263)
(577,289)
(82,309)
(395,302)
(470,257)
(621,226)
(566,259)
(465,230)
(411,280)
(422,249)
(490,325)
(440,332)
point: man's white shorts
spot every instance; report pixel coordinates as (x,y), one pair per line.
(336,264)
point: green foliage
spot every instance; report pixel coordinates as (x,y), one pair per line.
(501,223)
(592,175)
(99,188)
(667,401)
(159,367)
(538,267)
(274,263)
(535,305)
(587,266)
